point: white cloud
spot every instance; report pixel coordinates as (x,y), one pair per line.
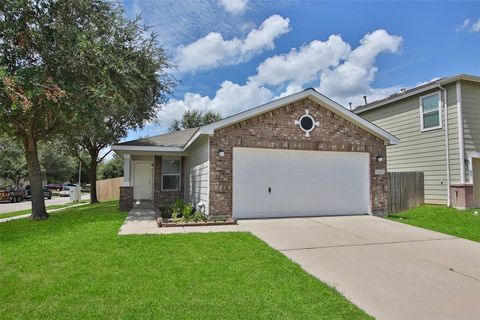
(234,6)
(213,51)
(353,77)
(229,99)
(464,25)
(468,25)
(304,64)
(476,26)
(340,72)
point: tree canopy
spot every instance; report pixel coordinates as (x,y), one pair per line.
(13,165)
(77,67)
(193,119)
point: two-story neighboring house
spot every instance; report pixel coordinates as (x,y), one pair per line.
(438,125)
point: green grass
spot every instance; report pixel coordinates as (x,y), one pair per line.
(460,223)
(75,266)
(54,206)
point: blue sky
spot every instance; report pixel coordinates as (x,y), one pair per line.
(232,55)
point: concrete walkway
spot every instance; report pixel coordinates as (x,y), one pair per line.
(27,215)
(390,270)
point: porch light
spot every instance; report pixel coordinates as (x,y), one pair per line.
(379,158)
(221,153)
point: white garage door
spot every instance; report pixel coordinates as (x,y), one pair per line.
(287,183)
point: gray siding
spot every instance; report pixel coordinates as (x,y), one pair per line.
(421,151)
(471,119)
(198,167)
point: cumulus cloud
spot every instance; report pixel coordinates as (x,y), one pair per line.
(338,71)
(468,25)
(234,6)
(213,50)
(229,99)
(476,26)
(304,64)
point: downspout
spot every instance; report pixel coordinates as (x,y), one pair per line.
(461,141)
(447,147)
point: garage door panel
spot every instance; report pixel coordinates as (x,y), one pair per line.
(302,183)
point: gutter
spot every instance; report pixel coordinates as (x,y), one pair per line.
(447,147)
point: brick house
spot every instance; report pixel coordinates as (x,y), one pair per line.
(300,155)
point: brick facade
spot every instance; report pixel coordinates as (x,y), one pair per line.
(276,130)
(163,198)
(126,198)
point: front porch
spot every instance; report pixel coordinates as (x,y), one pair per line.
(152,181)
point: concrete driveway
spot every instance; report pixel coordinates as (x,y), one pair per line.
(391,270)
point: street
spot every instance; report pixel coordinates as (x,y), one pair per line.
(6,207)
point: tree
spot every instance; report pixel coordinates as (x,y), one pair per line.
(59,166)
(113,168)
(63,66)
(193,119)
(13,165)
(124,83)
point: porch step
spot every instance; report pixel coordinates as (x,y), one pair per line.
(143,204)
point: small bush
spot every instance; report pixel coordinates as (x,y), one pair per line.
(199,216)
(165,213)
(188,212)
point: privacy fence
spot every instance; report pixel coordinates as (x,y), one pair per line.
(109,189)
(406,190)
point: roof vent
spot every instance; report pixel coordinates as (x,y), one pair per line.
(365,98)
(403,90)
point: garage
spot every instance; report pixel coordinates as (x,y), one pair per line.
(295,183)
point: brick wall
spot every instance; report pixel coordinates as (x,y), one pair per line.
(163,198)
(126,198)
(276,130)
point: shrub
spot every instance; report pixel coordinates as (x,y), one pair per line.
(176,208)
(199,216)
(165,213)
(188,212)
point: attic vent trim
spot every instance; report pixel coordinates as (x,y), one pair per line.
(307,123)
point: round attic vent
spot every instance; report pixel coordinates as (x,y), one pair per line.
(307,123)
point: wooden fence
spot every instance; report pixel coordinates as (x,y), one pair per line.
(406,190)
(109,189)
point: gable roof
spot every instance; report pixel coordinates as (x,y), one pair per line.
(414,91)
(179,141)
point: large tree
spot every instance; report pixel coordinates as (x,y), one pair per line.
(193,119)
(63,64)
(125,82)
(13,165)
(59,166)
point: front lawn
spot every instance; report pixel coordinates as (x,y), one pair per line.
(460,223)
(75,266)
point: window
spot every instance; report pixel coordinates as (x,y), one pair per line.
(430,110)
(170,175)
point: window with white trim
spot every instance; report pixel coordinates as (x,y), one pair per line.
(430,110)
(171,175)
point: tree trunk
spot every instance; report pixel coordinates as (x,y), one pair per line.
(39,211)
(93,177)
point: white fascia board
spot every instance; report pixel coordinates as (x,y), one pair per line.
(146,148)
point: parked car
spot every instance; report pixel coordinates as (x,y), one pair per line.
(65,191)
(46,193)
(11,194)
(67,185)
(54,186)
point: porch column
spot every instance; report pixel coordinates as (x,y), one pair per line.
(126,170)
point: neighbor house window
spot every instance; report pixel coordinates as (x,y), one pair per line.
(170,175)
(430,109)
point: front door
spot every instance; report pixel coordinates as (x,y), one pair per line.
(476,181)
(142,181)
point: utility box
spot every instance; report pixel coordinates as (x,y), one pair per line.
(75,194)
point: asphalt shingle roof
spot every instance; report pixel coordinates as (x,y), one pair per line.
(173,139)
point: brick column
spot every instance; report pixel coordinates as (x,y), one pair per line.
(126,198)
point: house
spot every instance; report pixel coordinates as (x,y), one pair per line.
(300,155)
(438,124)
